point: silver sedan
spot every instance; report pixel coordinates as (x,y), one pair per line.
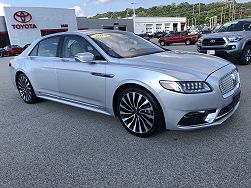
(120,74)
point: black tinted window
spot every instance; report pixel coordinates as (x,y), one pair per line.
(48,47)
(76,44)
(247,26)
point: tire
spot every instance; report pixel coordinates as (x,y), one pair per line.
(139,112)
(162,43)
(245,58)
(25,89)
(188,42)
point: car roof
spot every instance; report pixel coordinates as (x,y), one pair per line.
(239,20)
(85,32)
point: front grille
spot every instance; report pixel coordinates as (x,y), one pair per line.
(214,42)
(229,82)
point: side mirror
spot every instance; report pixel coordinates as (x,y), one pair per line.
(84,57)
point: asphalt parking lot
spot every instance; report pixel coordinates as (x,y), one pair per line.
(54,145)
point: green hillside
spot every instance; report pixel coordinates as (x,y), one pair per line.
(179,10)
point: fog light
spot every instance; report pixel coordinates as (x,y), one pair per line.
(233,47)
(198,118)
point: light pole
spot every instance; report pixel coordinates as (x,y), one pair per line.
(134,15)
(133,7)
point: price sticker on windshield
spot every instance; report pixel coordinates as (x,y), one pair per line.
(100,36)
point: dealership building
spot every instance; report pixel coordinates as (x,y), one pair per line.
(23,25)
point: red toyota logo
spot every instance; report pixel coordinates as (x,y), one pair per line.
(22,16)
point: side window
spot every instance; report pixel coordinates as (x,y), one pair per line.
(76,44)
(34,51)
(48,47)
(247,26)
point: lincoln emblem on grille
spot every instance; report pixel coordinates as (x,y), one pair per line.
(212,41)
(234,79)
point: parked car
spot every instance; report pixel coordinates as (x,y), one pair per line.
(144,36)
(26,46)
(1,52)
(11,50)
(205,32)
(119,74)
(233,39)
(178,37)
(159,34)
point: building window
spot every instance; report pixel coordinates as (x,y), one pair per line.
(167,27)
(175,27)
(158,27)
(183,26)
(149,28)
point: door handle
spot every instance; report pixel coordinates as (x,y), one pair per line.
(102,75)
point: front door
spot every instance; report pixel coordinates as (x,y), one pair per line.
(81,82)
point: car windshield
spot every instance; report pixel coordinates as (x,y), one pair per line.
(124,44)
(235,26)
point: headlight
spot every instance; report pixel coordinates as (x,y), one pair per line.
(199,41)
(235,38)
(186,86)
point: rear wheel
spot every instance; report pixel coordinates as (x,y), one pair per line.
(139,112)
(162,43)
(188,42)
(245,58)
(25,89)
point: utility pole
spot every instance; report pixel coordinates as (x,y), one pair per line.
(193,8)
(133,7)
(222,11)
(199,9)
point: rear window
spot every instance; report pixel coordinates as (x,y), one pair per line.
(46,48)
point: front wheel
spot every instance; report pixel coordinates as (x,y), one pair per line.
(139,112)
(162,43)
(188,42)
(245,58)
(25,89)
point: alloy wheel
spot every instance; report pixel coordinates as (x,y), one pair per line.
(162,43)
(24,88)
(248,55)
(188,42)
(136,112)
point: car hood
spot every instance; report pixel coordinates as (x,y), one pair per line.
(179,64)
(222,34)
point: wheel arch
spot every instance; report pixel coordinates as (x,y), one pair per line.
(127,85)
(247,43)
(17,74)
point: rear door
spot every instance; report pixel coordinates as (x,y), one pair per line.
(41,66)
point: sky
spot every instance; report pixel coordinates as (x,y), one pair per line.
(92,7)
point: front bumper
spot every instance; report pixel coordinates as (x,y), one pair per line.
(217,109)
(233,49)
